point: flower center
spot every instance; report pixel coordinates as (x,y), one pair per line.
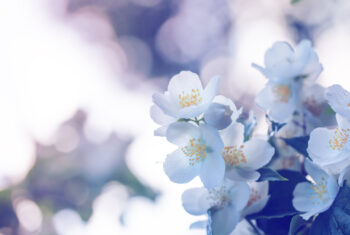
(254,196)
(190,99)
(339,139)
(320,190)
(195,151)
(282,92)
(234,155)
(219,196)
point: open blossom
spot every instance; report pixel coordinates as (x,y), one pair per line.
(339,99)
(287,70)
(315,197)
(186,97)
(330,148)
(221,113)
(199,153)
(225,202)
(242,159)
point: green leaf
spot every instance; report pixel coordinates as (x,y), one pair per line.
(297,225)
(295,1)
(281,196)
(336,220)
(269,174)
(299,144)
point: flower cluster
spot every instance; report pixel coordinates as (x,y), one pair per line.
(299,168)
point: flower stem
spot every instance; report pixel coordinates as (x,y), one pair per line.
(253,226)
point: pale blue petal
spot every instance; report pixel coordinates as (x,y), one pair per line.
(165,104)
(180,133)
(256,206)
(212,139)
(201,224)
(239,195)
(344,175)
(258,153)
(196,201)
(302,200)
(319,148)
(220,99)
(159,117)
(210,90)
(178,168)
(212,171)
(242,174)
(218,116)
(316,172)
(224,220)
(233,134)
(161,131)
(339,98)
(279,51)
(185,81)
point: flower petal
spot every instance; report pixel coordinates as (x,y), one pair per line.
(196,201)
(178,168)
(165,104)
(224,220)
(239,195)
(185,81)
(159,117)
(242,174)
(210,90)
(218,116)
(233,134)
(258,153)
(180,133)
(212,171)
(320,149)
(201,224)
(339,99)
(220,99)
(212,139)
(302,197)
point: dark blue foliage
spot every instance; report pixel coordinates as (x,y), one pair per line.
(299,144)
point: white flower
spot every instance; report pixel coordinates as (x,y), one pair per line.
(318,196)
(330,148)
(257,199)
(226,203)
(286,70)
(186,97)
(339,99)
(162,119)
(221,113)
(242,159)
(199,153)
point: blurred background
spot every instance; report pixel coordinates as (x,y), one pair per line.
(77,152)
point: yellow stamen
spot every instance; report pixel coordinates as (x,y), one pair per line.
(283,93)
(190,99)
(234,155)
(339,139)
(195,151)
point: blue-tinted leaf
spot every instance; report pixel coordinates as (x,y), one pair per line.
(281,196)
(299,144)
(269,174)
(336,220)
(297,225)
